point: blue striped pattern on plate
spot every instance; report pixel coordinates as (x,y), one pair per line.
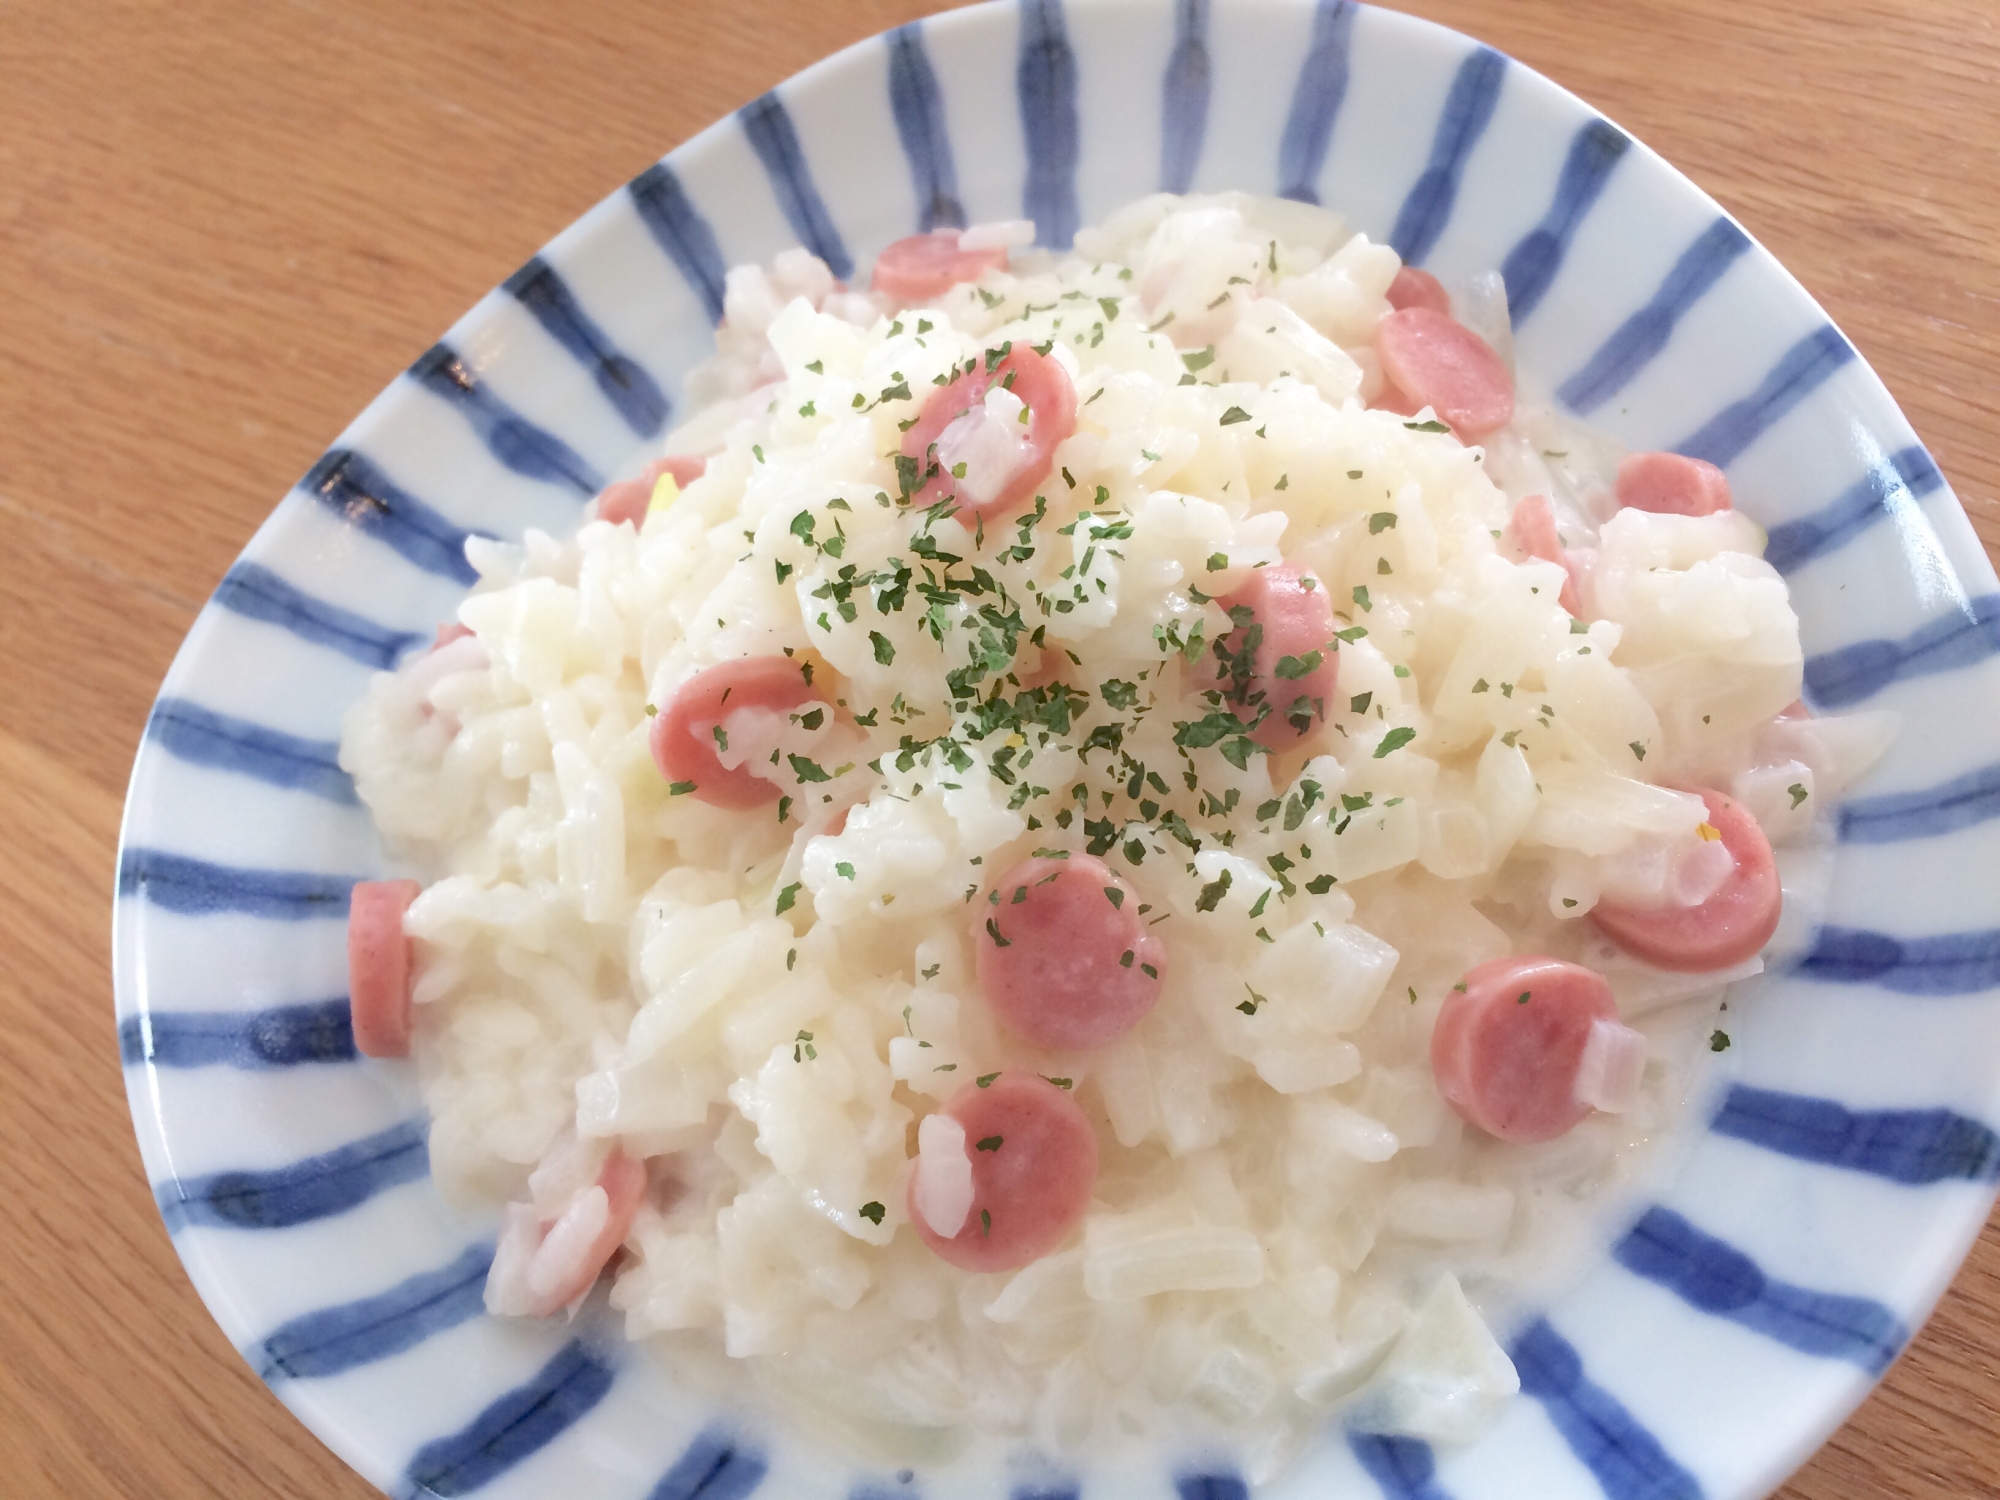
(1636,301)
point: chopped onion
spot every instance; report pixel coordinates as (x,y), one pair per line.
(1700,870)
(1614,1060)
(1129,1256)
(1481,305)
(1840,750)
(990,442)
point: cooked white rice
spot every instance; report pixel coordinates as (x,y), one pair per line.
(1285,1206)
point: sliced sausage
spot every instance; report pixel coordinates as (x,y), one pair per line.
(1017,456)
(1414,288)
(379,962)
(1532,528)
(1391,399)
(685,467)
(1284,662)
(582,1240)
(1444,365)
(629,499)
(625,503)
(925,266)
(683,734)
(1034,1165)
(1063,957)
(450,631)
(1730,926)
(1510,1042)
(1671,484)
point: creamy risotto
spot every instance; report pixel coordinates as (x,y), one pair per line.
(1105,843)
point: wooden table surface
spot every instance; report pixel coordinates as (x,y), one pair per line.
(225,226)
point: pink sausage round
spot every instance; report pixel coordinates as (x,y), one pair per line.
(1533,529)
(629,499)
(1034,1165)
(1446,366)
(685,467)
(929,265)
(625,503)
(378,966)
(1040,383)
(1063,957)
(1671,485)
(1732,925)
(1509,1042)
(624,1182)
(683,734)
(450,631)
(1391,399)
(1293,621)
(1414,288)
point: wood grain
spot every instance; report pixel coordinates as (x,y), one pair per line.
(224,227)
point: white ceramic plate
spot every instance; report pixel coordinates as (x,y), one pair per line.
(1772,1272)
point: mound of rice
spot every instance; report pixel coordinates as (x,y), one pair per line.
(1287,1217)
